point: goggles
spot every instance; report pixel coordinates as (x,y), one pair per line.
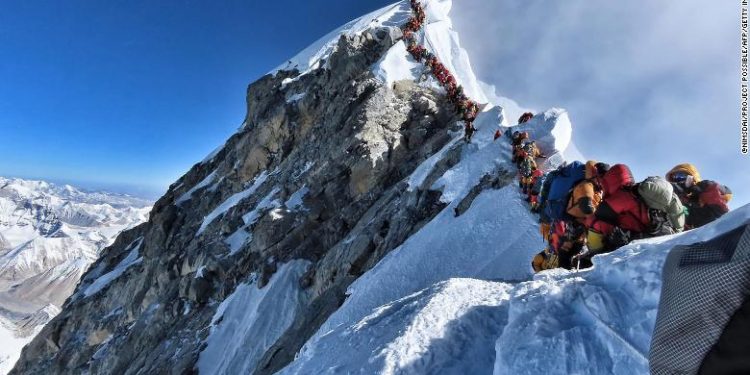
(678,177)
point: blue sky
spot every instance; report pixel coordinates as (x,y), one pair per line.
(128,95)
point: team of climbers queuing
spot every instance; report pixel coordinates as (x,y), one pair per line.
(465,107)
(592,208)
(585,208)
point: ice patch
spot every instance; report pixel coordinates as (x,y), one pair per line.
(238,239)
(130,260)
(423,170)
(205,182)
(267,202)
(295,98)
(233,201)
(213,154)
(250,320)
(295,200)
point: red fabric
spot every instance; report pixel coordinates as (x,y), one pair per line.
(497,134)
(599,226)
(712,195)
(617,177)
(633,214)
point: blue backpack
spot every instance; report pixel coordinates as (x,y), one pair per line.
(565,178)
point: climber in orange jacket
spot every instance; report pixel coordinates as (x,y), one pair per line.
(587,194)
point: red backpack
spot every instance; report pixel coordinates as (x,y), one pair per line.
(616,178)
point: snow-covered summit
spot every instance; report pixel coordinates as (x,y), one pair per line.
(438,36)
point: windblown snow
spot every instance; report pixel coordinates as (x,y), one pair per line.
(49,235)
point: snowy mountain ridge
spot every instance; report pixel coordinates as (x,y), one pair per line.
(347,228)
(49,235)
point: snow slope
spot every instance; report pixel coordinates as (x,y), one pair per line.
(250,320)
(597,321)
(49,235)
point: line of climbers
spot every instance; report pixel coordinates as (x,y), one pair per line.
(585,209)
(465,107)
(591,208)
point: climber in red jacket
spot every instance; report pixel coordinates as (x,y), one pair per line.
(621,216)
(525,118)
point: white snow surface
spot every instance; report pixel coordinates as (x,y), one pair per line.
(396,65)
(250,320)
(130,260)
(295,98)
(295,201)
(439,38)
(10,350)
(238,239)
(233,201)
(200,185)
(597,321)
(310,58)
(49,235)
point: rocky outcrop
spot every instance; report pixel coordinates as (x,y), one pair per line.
(317,172)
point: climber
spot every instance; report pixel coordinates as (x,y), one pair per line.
(666,212)
(518,137)
(525,118)
(517,140)
(621,216)
(526,169)
(544,260)
(567,239)
(469,131)
(497,135)
(536,189)
(587,194)
(554,196)
(705,200)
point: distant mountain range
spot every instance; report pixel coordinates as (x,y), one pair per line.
(49,235)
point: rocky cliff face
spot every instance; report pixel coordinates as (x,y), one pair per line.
(315,176)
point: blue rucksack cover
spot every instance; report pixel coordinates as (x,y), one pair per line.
(565,179)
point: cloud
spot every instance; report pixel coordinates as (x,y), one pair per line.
(650,83)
